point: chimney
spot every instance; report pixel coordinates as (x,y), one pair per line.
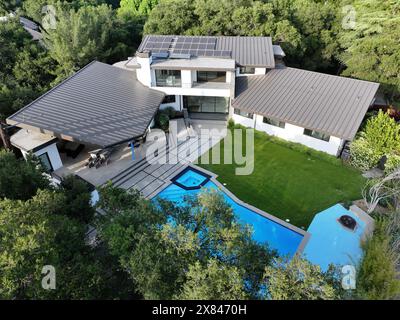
(144,59)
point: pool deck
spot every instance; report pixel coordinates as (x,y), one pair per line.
(150,177)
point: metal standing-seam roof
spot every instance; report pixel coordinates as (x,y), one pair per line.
(246,51)
(100,104)
(249,51)
(330,104)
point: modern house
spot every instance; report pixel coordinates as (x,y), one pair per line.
(213,78)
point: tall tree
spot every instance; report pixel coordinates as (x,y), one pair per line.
(134,7)
(371,47)
(25,68)
(80,36)
(215,281)
(6,6)
(33,235)
(156,244)
(89,33)
(298,279)
(20,179)
(305,28)
(78,197)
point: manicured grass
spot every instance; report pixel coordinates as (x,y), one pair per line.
(290,181)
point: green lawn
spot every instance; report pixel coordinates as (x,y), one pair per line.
(290,181)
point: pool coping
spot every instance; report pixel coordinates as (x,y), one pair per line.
(213,177)
(175,179)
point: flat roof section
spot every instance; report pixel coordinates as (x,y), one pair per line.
(28,140)
(330,104)
(100,104)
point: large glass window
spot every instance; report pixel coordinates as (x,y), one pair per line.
(211,76)
(45,160)
(243,113)
(273,122)
(206,104)
(247,70)
(168,78)
(169,99)
(316,134)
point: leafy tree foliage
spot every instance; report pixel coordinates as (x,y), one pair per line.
(78,197)
(80,36)
(133,7)
(12,38)
(34,8)
(6,6)
(157,244)
(298,279)
(20,179)
(32,235)
(25,68)
(305,29)
(86,34)
(215,281)
(372,47)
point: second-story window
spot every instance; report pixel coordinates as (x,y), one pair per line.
(247,70)
(211,76)
(168,78)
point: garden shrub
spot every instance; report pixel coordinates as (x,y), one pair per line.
(170,112)
(231,123)
(382,133)
(380,137)
(362,156)
(392,163)
(162,121)
(377,275)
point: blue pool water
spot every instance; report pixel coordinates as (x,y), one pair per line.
(284,240)
(340,246)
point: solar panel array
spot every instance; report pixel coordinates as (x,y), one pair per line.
(158,44)
(194,46)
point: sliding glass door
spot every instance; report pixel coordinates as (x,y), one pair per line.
(206,104)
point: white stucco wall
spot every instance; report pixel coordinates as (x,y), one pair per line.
(144,74)
(244,121)
(53,154)
(147,77)
(257,71)
(291,133)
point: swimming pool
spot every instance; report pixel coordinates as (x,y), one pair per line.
(278,236)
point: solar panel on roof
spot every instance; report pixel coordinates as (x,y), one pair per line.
(158,43)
